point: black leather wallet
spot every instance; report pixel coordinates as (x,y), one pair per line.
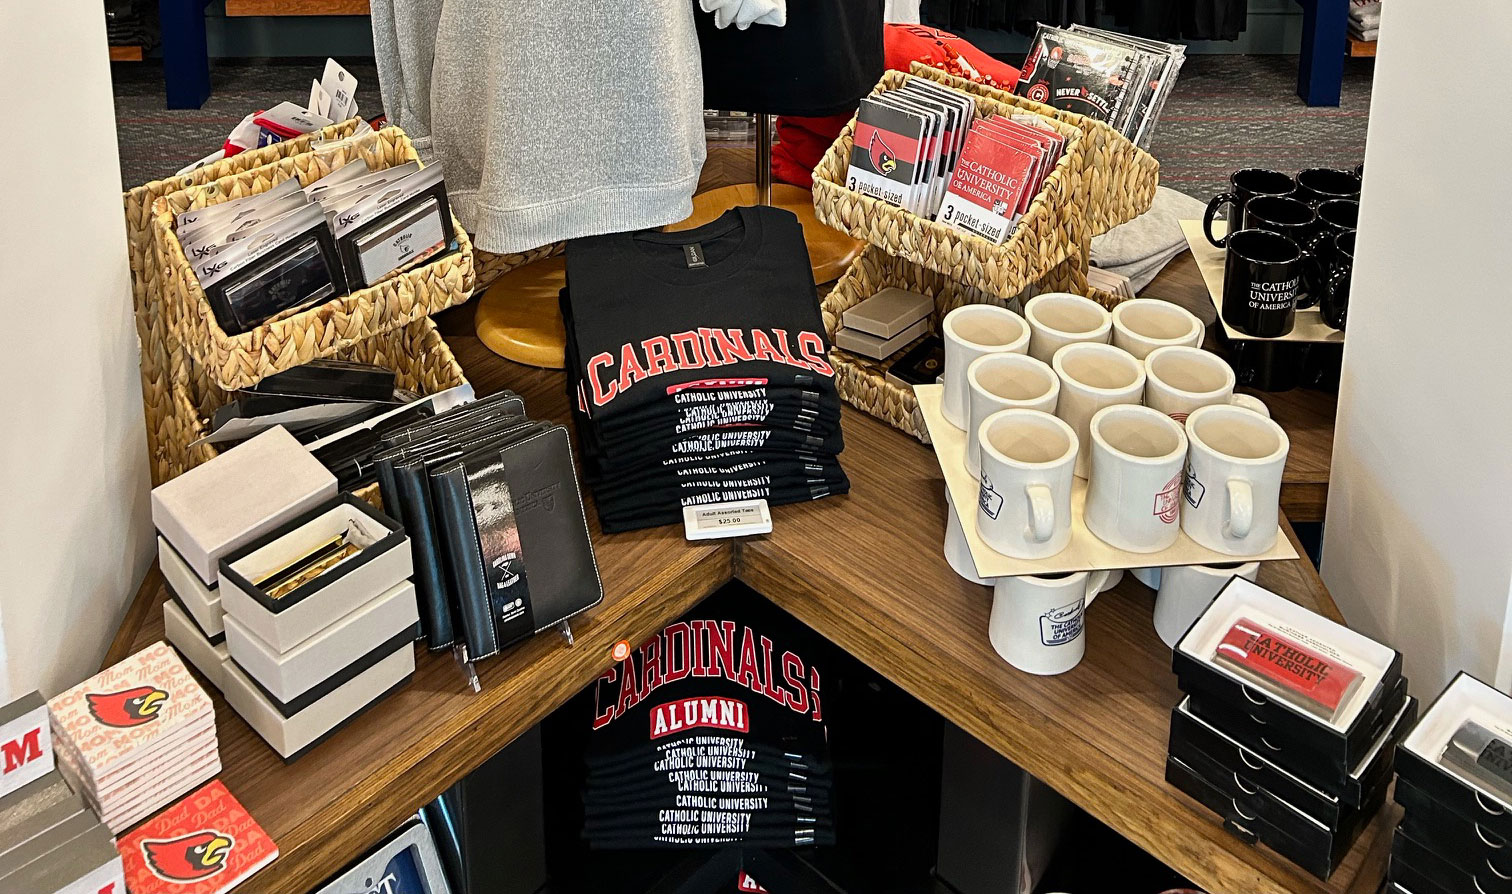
(517,539)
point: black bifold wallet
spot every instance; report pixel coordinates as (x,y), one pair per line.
(517,538)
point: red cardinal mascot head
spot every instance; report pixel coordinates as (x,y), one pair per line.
(127,708)
(189,858)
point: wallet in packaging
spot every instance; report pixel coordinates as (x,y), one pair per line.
(329,380)
(393,227)
(189,223)
(1483,756)
(288,265)
(517,539)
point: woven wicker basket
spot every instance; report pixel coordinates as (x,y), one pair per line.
(1102,180)
(862,381)
(238,361)
(162,360)
(416,352)
(491,266)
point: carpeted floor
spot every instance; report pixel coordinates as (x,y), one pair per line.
(1227,112)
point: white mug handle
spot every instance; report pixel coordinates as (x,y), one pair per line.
(1095,582)
(1241,507)
(1250,402)
(1041,512)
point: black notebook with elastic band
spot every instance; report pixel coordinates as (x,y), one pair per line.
(517,539)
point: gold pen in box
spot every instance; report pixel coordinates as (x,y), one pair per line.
(326,555)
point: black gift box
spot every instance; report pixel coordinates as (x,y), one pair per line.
(1461,841)
(1325,769)
(1408,879)
(1194,741)
(1418,756)
(1415,866)
(1322,752)
(1251,827)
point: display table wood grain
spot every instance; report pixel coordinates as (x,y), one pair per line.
(1306,414)
(865,571)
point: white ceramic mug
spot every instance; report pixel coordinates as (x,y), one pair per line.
(1185,592)
(1232,492)
(957,553)
(1038,621)
(1057,319)
(1004,382)
(1178,380)
(1094,376)
(1134,498)
(969,332)
(1024,503)
(1145,324)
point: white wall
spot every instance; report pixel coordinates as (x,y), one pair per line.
(1418,547)
(74,524)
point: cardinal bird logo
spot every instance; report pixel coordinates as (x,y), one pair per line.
(883,159)
(188,858)
(127,708)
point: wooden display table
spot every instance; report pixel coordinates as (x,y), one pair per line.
(865,571)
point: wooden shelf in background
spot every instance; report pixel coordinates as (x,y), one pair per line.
(125,54)
(297,7)
(1360,48)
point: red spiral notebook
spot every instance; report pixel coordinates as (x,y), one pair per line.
(1299,674)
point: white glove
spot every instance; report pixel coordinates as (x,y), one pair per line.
(745,13)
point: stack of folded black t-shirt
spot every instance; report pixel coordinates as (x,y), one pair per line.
(711,734)
(698,369)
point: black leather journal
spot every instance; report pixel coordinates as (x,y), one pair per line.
(516,538)
(404,474)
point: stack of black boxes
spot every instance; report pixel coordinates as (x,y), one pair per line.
(1455,783)
(1289,724)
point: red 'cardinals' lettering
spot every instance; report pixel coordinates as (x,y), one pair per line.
(609,375)
(127,708)
(190,857)
(705,648)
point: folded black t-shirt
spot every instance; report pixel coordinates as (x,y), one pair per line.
(651,312)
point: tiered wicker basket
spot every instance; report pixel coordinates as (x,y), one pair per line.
(237,361)
(415,352)
(189,364)
(1101,180)
(162,359)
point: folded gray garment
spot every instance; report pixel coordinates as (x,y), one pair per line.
(1144,245)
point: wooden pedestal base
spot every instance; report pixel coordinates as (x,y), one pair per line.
(519,318)
(830,251)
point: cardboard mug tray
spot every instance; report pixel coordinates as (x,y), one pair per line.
(1085,552)
(1309,326)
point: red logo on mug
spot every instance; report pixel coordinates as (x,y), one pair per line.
(1168,501)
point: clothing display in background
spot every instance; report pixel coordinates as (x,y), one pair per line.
(551,123)
(1364,19)
(1141,248)
(745,13)
(711,734)
(802,141)
(827,56)
(1160,19)
(698,371)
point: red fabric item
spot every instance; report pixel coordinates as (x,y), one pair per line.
(803,141)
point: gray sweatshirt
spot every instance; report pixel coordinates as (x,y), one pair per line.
(552,118)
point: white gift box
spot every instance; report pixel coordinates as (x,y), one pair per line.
(332,656)
(293,736)
(186,636)
(202,603)
(245,492)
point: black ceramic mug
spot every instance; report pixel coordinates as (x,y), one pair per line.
(1261,277)
(1243,186)
(1316,185)
(1335,217)
(1334,302)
